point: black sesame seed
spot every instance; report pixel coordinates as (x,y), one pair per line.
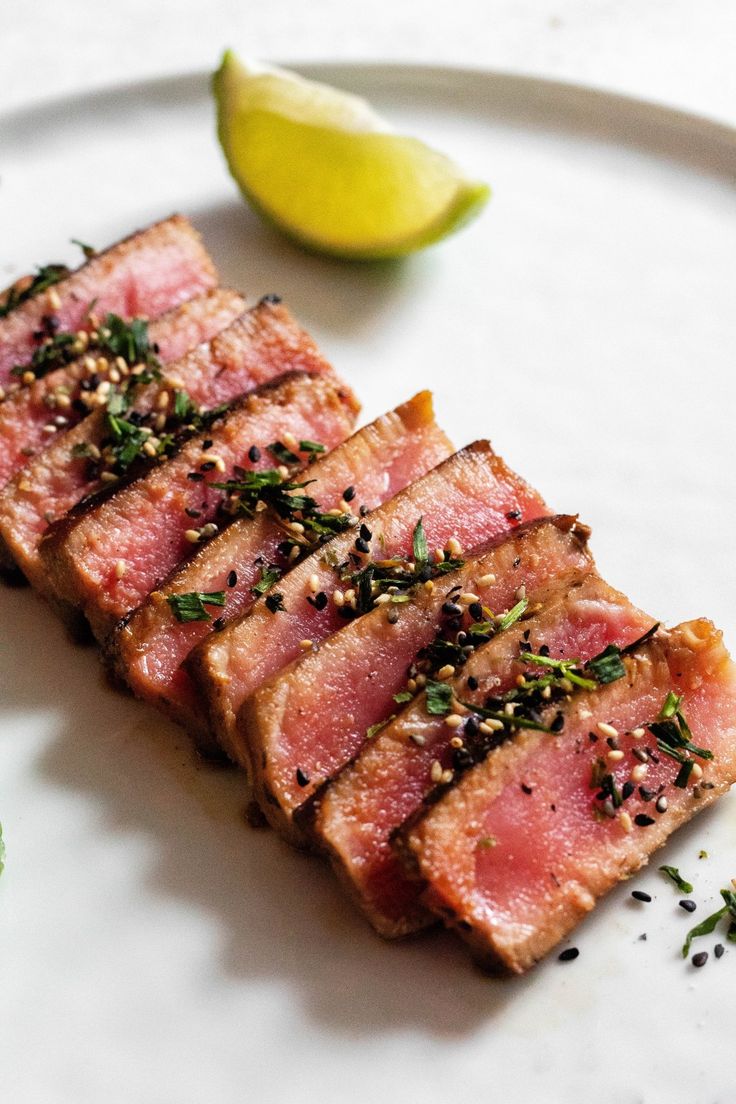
(472,682)
(272,298)
(254,454)
(719,950)
(232,578)
(627,790)
(640,895)
(218,624)
(209,465)
(544,650)
(365,532)
(190,512)
(475,610)
(301,778)
(643,820)
(558,723)
(700,958)
(363,511)
(513,515)
(349,493)
(207,444)
(362,545)
(687,905)
(569,954)
(319,601)
(393,616)
(196,477)
(451,609)
(526,789)
(645,794)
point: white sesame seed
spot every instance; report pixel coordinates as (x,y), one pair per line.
(114,375)
(639,772)
(456,742)
(421,680)
(547,692)
(305,645)
(637,733)
(120,568)
(349,595)
(436,772)
(122,365)
(467,598)
(485,580)
(28,377)
(520,593)
(446,672)
(108,477)
(417,739)
(615,755)
(625,821)
(163,400)
(63,400)
(509,708)
(93,451)
(334,512)
(411,685)
(453,720)
(283,471)
(454,547)
(209,530)
(295,526)
(314,583)
(429,586)
(565,685)
(338,598)
(149,449)
(607,729)
(439,555)
(294,554)
(696,772)
(192,535)
(49,428)
(102,364)
(447,776)
(382,600)
(53,299)
(490,725)
(290,441)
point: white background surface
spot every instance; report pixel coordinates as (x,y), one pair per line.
(150,951)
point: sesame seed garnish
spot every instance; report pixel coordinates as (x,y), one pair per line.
(302,779)
(436,772)
(192,535)
(642,820)
(625,821)
(467,597)
(568,955)
(446,672)
(305,645)
(290,441)
(641,754)
(447,776)
(687,905)
(28,377)
(456,742)
(719,950)
(700,958)
(338,598)
(485,580)
(454,547)
(640,895)
(429,586)
(490,725)
(417,739)
(637,733)
(283,471)
(232,578)
(314,583)
(392,616)
(108,477)
(120,568)
(49,428)
(639,772)
(661,805)
(606,729)
(382,600)
(25,485)
(53,299)
(453,720)
(696,771)
(439,555)
(520,594)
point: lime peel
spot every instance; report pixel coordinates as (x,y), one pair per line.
(322,166)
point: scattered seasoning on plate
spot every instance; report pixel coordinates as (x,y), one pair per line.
(687,905)
(640,895)
(700,958)
(569,954)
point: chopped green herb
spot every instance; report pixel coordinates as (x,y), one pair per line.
(439,697)
(191,606)
(513,615)
(670,707)
(269,575)
(404,696)
(705,927)
(183,409)
(607,666)
(374,729)
(88,250)
(311,447)
(508,720)
(674,874)
(55,352)
(45,277)
(419,544)
(566,667)
(282,455)
(702,854)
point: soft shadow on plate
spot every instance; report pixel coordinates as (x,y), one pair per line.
(325,293)
(281,913)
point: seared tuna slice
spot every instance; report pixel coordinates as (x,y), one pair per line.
(261,345)
(106,557)
(355,816)
(518,852)
(34,414)
(144,275)
(467,499)
(149,647)
(308,723)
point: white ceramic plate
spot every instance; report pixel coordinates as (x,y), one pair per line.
(156,950)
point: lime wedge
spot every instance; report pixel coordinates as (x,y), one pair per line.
(322,166)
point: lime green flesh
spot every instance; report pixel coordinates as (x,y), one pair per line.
(321,166)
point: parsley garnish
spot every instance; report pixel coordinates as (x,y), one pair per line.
(374,729)
(404,696)
(674,874)
(512,616)
(312,448)
(44,277)
(705,927)
(568,668)
(269,575)
(607,666)
(674,737)
(191,607)
(419,545)
(88,250)
(282,455)
(439,697)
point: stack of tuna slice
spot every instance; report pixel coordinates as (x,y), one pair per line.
(407,652)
